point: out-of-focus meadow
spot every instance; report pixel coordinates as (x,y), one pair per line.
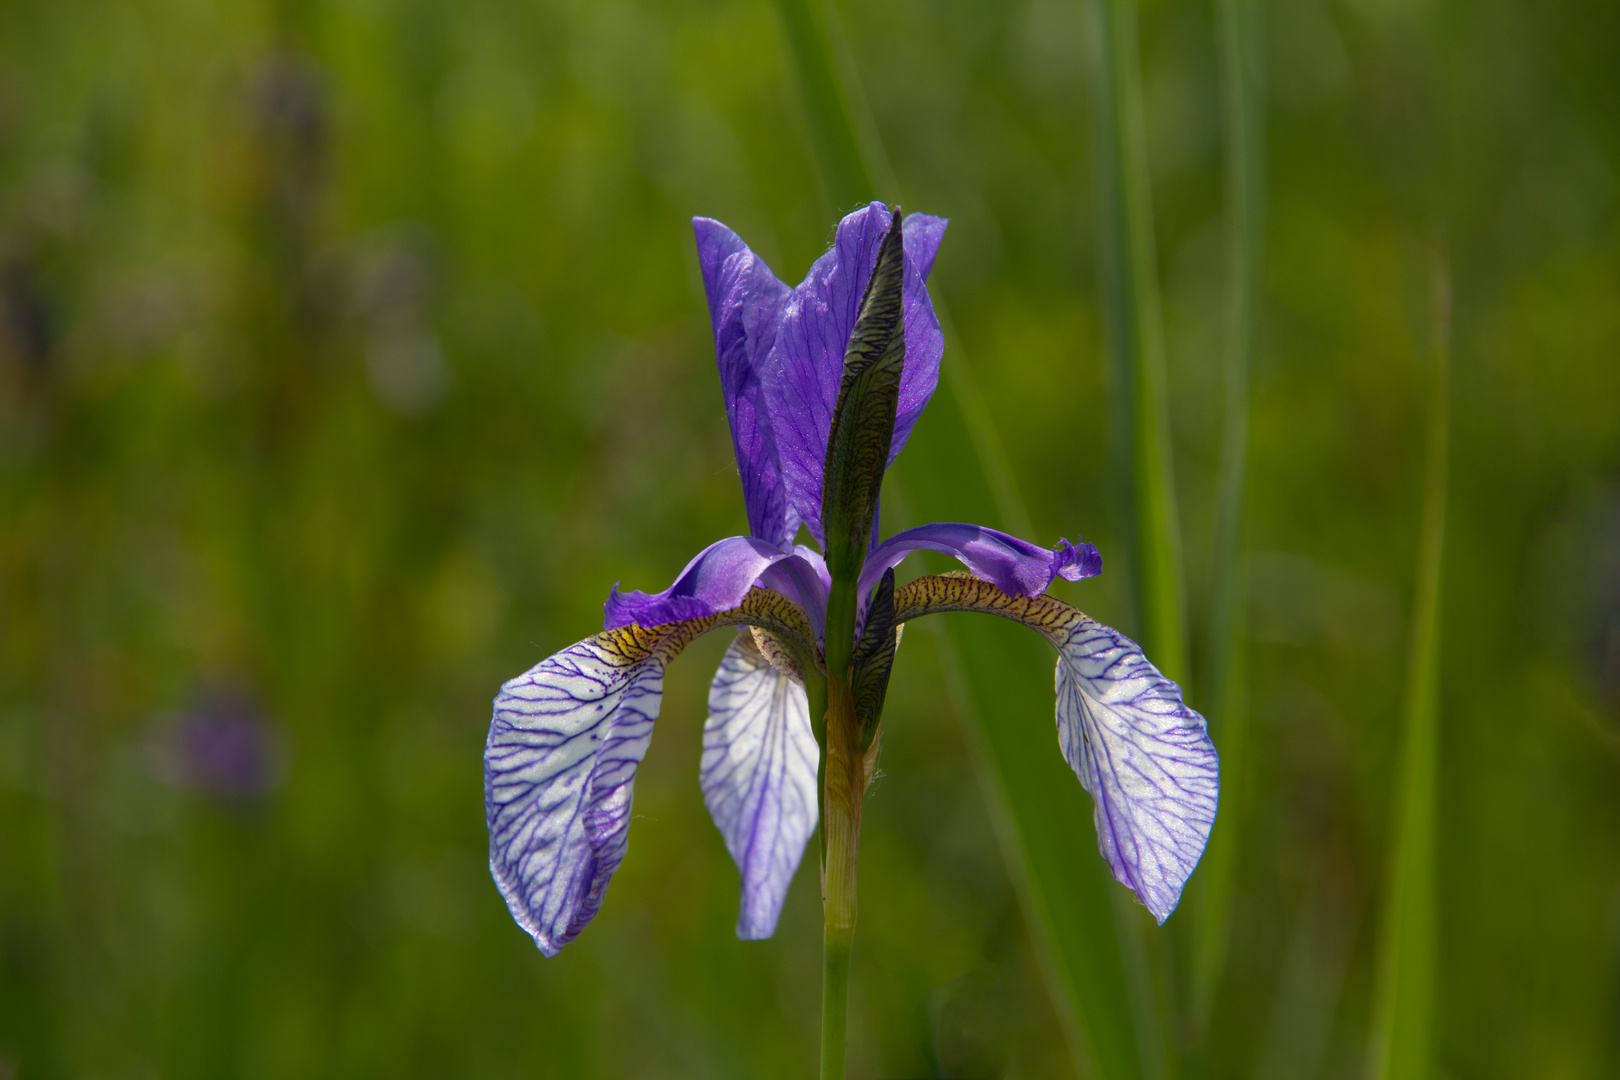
(349,352)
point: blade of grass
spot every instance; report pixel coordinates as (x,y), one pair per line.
(1243,131)
(999,679)
(1129,270)
(854,167)
(1403,1006)
(962,470)
(1145,478)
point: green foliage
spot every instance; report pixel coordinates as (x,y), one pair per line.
(350,352)
(1402,1043)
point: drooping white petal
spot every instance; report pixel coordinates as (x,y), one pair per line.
(1144,756)
(559,769)
(759,778)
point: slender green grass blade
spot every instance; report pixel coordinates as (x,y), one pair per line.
(999,679)
(958,472)
(1401,1046)
(1145,480)
(1243,132)
(1135,323)
(854,167)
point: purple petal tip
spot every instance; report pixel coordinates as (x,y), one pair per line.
(1077,561)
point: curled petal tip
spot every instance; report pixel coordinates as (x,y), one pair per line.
(1076,561)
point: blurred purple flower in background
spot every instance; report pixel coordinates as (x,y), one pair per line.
(223,746)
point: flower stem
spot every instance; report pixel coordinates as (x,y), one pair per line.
(834,1003)
(845,785)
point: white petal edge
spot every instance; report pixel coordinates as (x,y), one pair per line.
(759,778)
(1142,753)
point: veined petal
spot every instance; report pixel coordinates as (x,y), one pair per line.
(1014,566)
(806,363)
(1142,753)
(717,579)
(560,761)
(925,341)
(759,778)
(1145,757)
(745,307)
(559,770)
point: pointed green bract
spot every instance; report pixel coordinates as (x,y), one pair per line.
(858,445)
(874,659)
(863,419)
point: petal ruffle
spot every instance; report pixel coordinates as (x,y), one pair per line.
(1145,757)
(559,769)
(717,579)
(1014,566)
(806,363)
(759,778)
(745,307)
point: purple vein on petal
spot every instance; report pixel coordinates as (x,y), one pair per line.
(745,308)
(559,772)
(759,778)
(1144,756)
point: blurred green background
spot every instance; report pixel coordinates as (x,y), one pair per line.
(349,352)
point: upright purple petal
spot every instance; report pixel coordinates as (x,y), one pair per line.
(1014,566)
(759,778)
(925,341)
(559,769)
(806,362)
(717,579)
(745,307)
(1146,758)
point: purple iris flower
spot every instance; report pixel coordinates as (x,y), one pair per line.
(567,735)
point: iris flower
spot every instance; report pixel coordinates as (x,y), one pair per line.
(822,386)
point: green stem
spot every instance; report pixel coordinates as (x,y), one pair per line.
(815,689)
(844,788)
(835,952)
